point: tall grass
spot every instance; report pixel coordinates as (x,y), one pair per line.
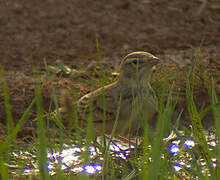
(42,149)
(216,112)
(144,162)
(12,131)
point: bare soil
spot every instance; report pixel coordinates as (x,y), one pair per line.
(34,31)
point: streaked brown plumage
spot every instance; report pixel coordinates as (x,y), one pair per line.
(131,98)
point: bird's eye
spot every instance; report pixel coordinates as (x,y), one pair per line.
(135,61)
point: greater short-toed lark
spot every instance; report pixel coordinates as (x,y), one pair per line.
(127,103)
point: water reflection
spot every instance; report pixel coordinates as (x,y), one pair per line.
(89,160)
(70,158)
(183,157)
(189,143)
(174,149)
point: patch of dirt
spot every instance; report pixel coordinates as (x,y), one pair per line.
(34,31)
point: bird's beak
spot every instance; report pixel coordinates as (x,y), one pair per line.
(155,61)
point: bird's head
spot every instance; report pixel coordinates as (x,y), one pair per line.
(137,67)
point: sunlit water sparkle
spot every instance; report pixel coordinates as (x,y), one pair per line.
(182,153)
(69,159)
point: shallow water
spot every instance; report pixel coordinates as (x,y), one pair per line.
(72,157)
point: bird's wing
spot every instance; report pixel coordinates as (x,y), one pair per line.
(99,103)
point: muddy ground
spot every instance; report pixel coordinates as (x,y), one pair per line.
(34,31)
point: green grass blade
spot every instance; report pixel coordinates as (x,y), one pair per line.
(42,151)
(11,137)
(9,118)
(3,169)
(106,153)
(204,111)
(90,133)
(57,117)
(196,120)
(163,126)
(216,112)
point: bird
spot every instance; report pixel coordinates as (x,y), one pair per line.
(125,106)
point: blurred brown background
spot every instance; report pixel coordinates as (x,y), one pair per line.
(68,29)
(31,31)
